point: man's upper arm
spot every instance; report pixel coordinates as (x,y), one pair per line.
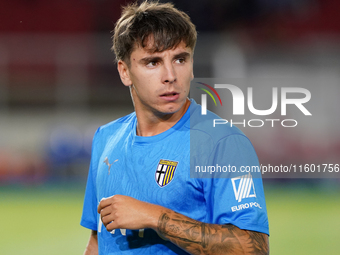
(239,199)
(260,242)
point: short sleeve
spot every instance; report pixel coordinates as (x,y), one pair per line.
(236,197)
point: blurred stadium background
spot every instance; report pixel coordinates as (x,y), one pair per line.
(58,83)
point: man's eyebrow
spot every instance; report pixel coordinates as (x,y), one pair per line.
(150,59)
(182,55)
(158,59)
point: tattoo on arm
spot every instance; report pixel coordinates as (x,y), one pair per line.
(201,238)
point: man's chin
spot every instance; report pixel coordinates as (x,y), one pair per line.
(170,110)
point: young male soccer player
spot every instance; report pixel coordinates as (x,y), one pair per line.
(139,197)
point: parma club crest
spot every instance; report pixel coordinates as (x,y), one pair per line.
(165,172)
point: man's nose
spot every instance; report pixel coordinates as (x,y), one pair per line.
(169,74)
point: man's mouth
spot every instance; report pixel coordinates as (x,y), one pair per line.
(171,96)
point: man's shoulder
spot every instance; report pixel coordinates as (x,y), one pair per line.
(209,124)
(119,124)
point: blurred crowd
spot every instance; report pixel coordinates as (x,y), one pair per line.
(58,80)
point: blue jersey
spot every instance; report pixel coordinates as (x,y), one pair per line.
(156,169)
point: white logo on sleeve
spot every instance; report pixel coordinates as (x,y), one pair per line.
(243,187)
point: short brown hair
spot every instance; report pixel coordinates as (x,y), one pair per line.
(167,25)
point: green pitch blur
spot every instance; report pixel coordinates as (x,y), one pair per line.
(44,221)
(304,220)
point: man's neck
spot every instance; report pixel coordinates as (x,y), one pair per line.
(151,124)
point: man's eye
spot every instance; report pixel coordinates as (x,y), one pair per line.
(152,63)
(180,60)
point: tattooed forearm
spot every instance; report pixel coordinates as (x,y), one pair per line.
(200,238)
(183,230)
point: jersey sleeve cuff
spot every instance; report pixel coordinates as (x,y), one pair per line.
(88,224)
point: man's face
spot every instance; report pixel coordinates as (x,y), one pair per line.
(159,81)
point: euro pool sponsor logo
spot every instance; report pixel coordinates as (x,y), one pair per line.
(243,187)
(245,206)
(239,105)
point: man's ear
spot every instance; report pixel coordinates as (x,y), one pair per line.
(124,73)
